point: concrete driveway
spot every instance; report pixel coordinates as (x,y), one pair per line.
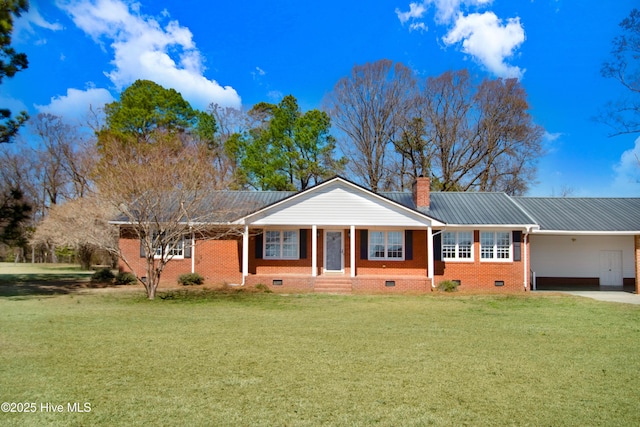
(610,296)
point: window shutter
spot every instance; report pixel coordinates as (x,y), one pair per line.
(364,244)
(303,243)
(259,238)
(187,248)
(517,245)
(142,252)
(408,245)
(437,247)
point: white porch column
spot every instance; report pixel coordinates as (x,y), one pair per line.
(430,254)
(193,253)
(314,250)
(245,252)
(525,261)
(352,250)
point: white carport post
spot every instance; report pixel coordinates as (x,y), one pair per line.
(352,250)
(314,250)
(430,254)
(245,253)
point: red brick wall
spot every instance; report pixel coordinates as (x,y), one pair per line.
(218,261)
(482,274)
(415,267)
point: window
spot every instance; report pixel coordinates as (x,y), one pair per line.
(495,245)
(386,245)
(457,245)
(172,250)
(281,244)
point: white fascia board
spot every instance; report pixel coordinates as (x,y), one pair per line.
(586,233)
(524,227)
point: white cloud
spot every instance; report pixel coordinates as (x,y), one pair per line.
(23,26)
(627,173)
(13,104)
(416,10)
(418,26)
(482,36)
(75,105)
(447,10)
(144,49)
(488,40)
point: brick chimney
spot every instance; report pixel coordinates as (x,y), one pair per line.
(421,192)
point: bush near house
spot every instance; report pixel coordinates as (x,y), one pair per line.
(125,278)
(448,286)
(190,279)
(103,275)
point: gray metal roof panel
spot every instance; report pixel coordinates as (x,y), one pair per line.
(583,214)
(468,208)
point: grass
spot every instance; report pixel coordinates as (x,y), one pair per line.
(200,357)
(42,279)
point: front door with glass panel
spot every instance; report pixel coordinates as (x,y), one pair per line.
(333,251)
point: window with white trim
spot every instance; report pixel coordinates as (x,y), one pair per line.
(386,245)
(173,249)
(457,245)
(281,244)
(495,245)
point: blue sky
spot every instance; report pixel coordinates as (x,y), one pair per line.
(237,53)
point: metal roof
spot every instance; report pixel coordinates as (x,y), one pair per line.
(458,208)
(583,214)
(466,208)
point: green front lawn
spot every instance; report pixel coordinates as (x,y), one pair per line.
(308,360)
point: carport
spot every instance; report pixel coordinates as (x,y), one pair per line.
(584,243)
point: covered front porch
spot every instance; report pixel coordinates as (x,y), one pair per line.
(338,259)
(338,234)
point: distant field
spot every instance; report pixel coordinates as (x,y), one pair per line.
(10,268)
(207,358)
(40,279)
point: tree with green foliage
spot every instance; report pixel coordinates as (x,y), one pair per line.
(11,62)
(14,212)
(623,115)
(284,148)
(146,106)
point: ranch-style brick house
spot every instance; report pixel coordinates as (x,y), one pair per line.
(340,237)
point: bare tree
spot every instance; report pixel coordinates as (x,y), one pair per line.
(623,115)
(82,224)
(469,137)
(445,109)
(510,143)
(368,106)
(164,191)
(66,158)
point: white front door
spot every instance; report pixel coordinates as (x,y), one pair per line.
(333,251)
(611,268)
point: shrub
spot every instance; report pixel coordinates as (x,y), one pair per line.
(263,288)
(125,278)
(102,276)
(448,286)
(190,279)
